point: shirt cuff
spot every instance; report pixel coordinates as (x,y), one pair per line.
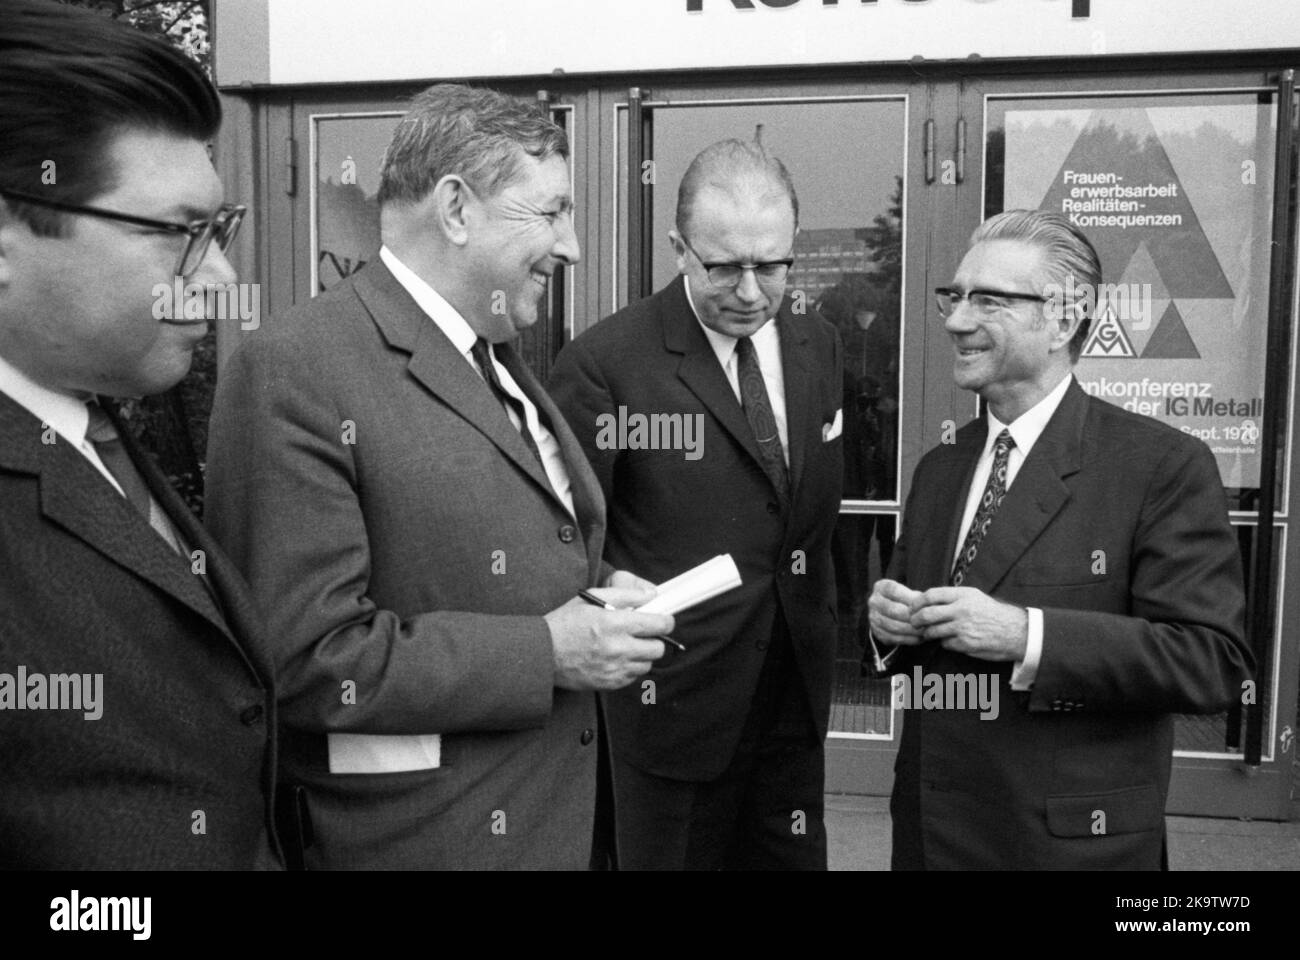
(1026,671)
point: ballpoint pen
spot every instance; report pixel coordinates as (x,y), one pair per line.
(595,601)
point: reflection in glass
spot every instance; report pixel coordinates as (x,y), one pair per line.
(348,154)
(861,548)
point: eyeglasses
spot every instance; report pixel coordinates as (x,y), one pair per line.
(729,275)
(221,228)
(984,302)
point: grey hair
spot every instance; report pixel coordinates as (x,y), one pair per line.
(1068,253)
(727,164)
(478,134)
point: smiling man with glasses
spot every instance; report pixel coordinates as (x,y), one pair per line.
(1074,555)
(110,590)
(718,762)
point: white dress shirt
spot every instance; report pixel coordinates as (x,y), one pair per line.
(1025,431)
(767,350)
(66,414)
(462,336)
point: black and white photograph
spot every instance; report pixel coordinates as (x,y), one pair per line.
(626,436)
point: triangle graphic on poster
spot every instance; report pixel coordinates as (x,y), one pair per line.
(1118,173)
(1171,341)
(1108,339)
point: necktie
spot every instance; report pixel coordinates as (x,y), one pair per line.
(112,453)
(758,411)
(994,491)
(483,357)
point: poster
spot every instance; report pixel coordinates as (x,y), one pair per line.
(1175,193)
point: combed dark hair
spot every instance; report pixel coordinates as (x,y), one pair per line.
(475,133)
(71,81)
(1068,252)
(723,165)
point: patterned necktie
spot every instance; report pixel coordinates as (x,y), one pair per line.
(104,437)
(758,411)
(994,491)
(483,357)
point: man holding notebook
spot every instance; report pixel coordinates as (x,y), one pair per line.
(417,520)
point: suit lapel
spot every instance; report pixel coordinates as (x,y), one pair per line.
(700,371)
(1036,496)
(441,368)
(952,473)
(588,501)
(75,496)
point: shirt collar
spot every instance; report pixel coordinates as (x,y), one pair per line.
(724,346)
(64,411)
(1029,426)
(434,305)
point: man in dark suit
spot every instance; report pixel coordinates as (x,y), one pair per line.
(418,518)
(137,715)
(1069,558)
(719,754)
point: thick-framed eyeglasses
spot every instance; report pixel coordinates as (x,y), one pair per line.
(199,233)
(984,302)
(729,275)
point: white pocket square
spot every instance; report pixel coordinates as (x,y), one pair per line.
(833,429)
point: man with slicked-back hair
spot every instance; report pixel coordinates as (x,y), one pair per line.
(137,714)
(1072,560)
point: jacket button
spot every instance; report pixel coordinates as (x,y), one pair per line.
(772,508)
(587,737)
(252,715)
(567,533)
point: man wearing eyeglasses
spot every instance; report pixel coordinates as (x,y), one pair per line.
(718,755)
(136,706)
(1071,557)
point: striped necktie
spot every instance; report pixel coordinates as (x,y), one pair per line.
(483,357)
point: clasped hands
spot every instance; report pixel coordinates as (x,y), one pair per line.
(962,619)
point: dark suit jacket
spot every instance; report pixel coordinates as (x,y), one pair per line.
(1117,528)
(667,514)
(406,543)
(188,708)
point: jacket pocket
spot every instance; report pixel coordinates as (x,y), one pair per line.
(1130,810)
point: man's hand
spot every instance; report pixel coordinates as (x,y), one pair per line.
(890,613)
(629,581)
(970,621)
(599,649)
